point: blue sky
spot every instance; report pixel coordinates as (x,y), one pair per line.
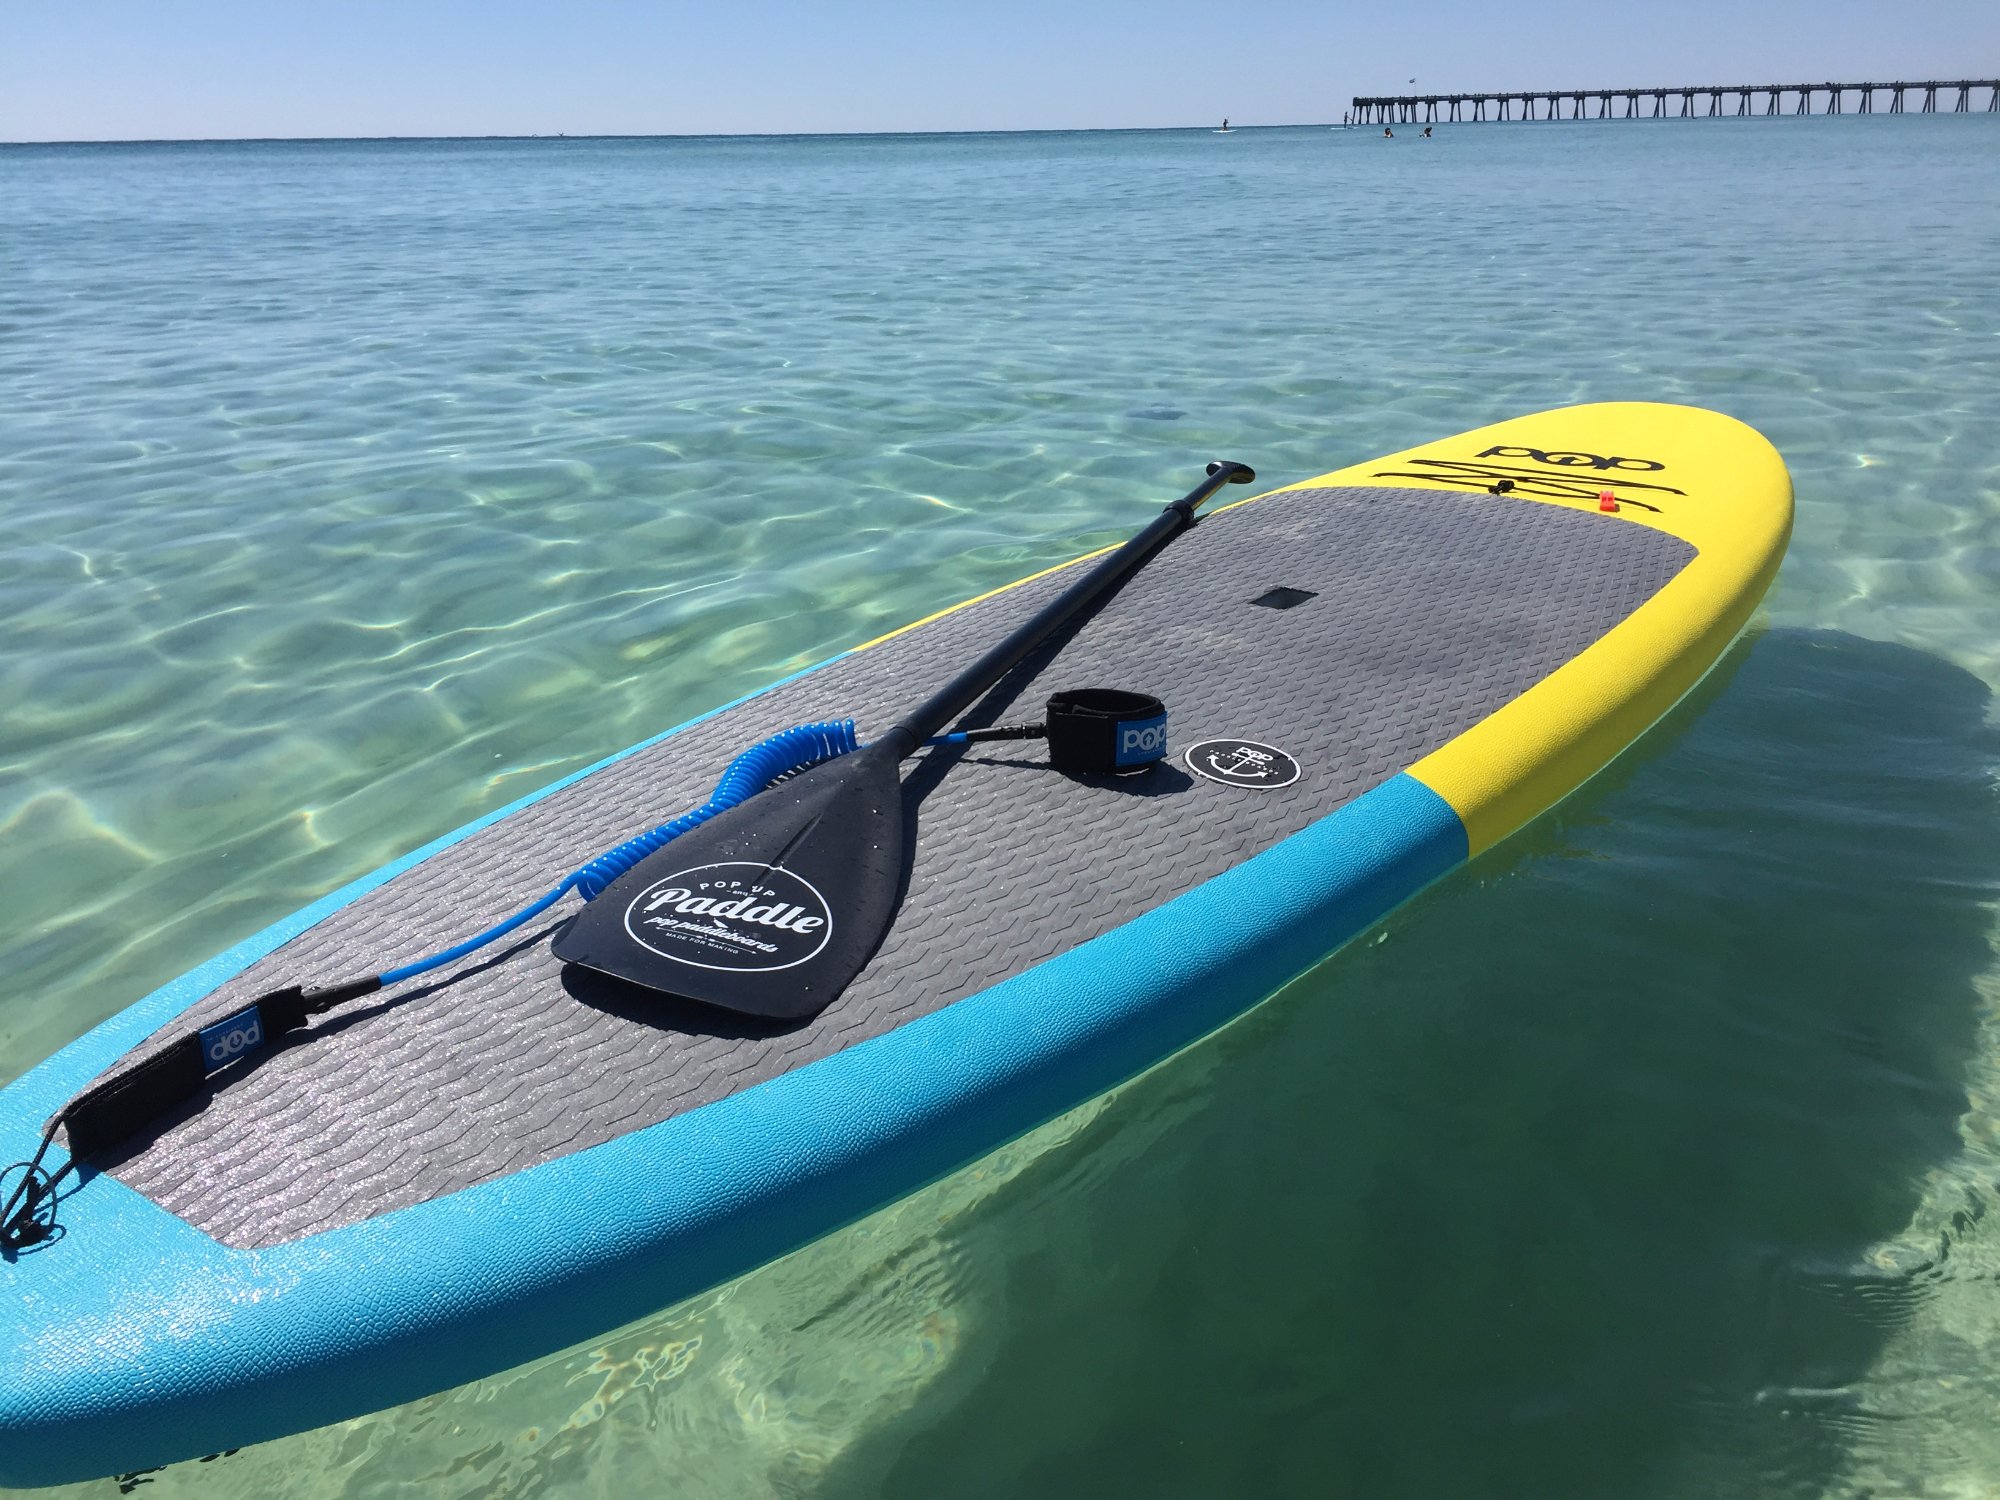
(160,69)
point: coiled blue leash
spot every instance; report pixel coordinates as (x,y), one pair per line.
(756,768)
(114,1106)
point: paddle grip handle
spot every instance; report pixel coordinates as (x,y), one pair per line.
(951,700)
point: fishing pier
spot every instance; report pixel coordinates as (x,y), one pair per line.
(1834,98)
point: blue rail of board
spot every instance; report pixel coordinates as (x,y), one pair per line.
(136,1339)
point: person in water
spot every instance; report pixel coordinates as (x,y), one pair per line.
(1388,133)
(1225,122)
(1427,132)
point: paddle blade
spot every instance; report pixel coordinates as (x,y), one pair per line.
(769,909)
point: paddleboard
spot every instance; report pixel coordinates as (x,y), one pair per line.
(1371,676)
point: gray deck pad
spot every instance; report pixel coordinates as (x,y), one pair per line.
(1431,610)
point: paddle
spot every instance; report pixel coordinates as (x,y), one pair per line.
(771,908)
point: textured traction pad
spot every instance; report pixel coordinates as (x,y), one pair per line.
(1431,611)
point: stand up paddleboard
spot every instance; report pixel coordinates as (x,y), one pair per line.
(314,1199)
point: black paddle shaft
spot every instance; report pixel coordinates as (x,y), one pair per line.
(951,700)
(772,907)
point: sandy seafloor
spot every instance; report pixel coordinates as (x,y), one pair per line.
(348,490)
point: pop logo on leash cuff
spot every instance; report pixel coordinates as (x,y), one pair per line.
(231,1037)
(1142,742)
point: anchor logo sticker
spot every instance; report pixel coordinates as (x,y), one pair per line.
(1236,762)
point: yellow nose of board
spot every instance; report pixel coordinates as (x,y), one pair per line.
(1698,475)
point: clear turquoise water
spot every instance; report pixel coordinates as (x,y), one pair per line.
(348,490)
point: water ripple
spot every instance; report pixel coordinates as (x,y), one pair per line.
(350,490)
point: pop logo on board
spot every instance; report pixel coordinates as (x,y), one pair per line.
(1566,459)
(1242,763)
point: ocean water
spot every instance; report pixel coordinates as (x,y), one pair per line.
(349,490)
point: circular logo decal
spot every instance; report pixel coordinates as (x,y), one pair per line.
(738,916)
(1242,763)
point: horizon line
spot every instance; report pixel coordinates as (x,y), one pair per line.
(778,135)
(664,135)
